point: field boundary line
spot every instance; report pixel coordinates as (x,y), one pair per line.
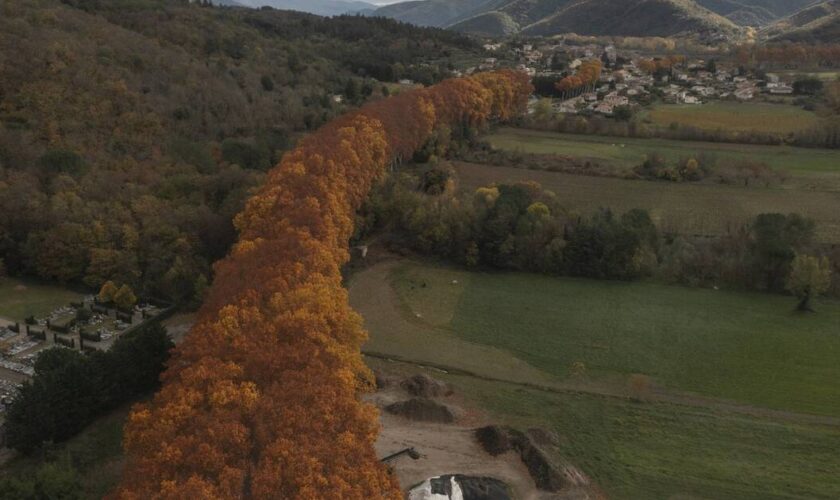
(691,401)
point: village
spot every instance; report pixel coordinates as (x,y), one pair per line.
(630,80)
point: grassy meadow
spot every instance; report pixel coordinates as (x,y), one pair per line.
(630,152)
(702,208)
(22,298)
(739,346)
(735,116)
(683,208)
(635,450)
(746,347)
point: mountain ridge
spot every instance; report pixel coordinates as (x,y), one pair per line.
(325,8)
(647,17)
(550,17)
(818,23)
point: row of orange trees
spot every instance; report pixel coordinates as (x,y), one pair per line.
(261,400)
(584,79)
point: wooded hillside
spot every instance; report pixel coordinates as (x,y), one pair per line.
(132,132)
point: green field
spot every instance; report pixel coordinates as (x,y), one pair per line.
(740,346)
(20,299)
(822,75)
(735,116)
(662,451)
(630,152)
(683,208)
(745,347)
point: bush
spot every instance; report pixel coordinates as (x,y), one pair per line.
(639,386)
(53,481)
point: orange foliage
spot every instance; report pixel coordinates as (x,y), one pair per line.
(261,398)
(651,66)
(587,75)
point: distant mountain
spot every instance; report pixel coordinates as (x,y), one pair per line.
(755,12)
(632,18)
(550,17)
(319,7)
(817,23)
(437,13)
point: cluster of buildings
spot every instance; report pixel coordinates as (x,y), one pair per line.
(702,85)
(625,83)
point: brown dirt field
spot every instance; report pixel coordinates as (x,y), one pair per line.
(696,209)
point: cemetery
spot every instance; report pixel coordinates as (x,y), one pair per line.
(92,323)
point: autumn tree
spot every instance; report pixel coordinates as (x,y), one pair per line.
(124,298)
(107,292)
(809,277)
(585,78)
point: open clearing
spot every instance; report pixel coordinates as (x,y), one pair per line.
(629,152)
(735,116)
(684,208)
(747,347)
(742,346)
(20,299)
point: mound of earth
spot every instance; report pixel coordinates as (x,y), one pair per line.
(548,473)
(459,487)
(422,410)
(424,386)
(494,439)
(382,380)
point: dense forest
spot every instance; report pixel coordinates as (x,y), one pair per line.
(132,132)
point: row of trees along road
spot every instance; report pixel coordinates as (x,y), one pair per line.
(261,398)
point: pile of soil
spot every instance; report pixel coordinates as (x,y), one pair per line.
(547,474)
(424,386)
(423,410)
(382,380)
(494,439)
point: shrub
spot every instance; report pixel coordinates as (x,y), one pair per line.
(639,386)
